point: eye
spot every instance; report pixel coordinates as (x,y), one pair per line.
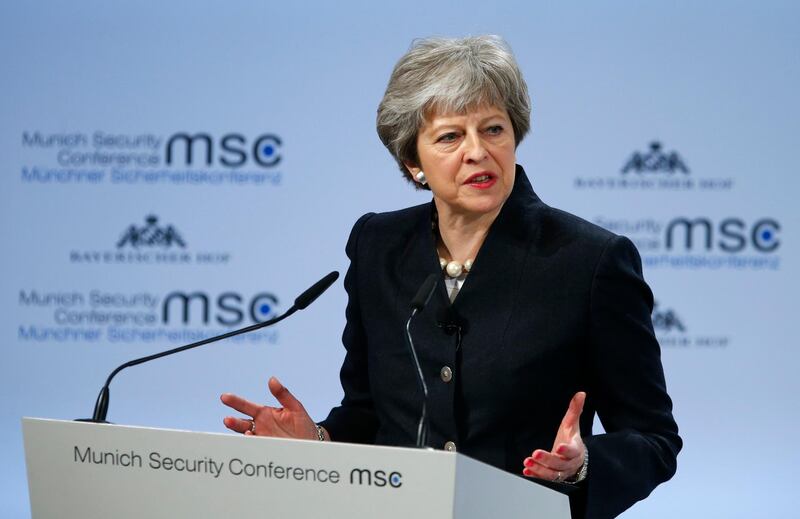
(447,137)
(494,130)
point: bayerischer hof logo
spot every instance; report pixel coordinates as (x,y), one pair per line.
(654,168)
(655,161)
(666,321)
(151,235)
(150,243)
(673,333)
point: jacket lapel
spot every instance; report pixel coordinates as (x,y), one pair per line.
(490,292)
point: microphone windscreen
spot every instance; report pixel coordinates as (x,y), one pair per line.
(315,290)
(425,292)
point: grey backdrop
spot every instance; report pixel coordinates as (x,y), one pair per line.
(714,83)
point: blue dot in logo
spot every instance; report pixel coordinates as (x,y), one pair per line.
(766,235)
(264,309)
(267,150)
(395,479)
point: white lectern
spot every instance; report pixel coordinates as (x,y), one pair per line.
(84,470)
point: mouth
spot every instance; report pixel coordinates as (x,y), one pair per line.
(482,180)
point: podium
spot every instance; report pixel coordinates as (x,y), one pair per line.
(86,470)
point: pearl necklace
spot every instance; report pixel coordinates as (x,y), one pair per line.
(454,269)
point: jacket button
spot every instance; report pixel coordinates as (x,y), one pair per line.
(450,446)
(446,373)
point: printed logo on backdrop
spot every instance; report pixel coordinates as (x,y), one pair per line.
(151,235)
(672,331)
(173,316)
(702,242)
(149,243)
(178,159)
(654,168)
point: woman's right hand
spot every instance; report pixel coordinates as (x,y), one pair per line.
(289,421)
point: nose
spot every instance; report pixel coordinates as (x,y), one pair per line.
(474,149)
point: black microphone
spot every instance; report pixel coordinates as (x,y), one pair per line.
(315,290)
(418,303)
(300,303)
(452,324)
(424,293)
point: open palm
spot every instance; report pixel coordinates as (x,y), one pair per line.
(289,421)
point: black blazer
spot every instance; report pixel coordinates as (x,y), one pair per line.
(553,305)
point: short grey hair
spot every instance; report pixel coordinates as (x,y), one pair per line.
(449,75)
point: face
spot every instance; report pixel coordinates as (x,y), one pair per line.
(469,160)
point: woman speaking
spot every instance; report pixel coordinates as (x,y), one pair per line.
(539,320)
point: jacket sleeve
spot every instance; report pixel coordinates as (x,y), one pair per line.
(354,420)
(627,388)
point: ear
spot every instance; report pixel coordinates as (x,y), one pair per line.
(413,169)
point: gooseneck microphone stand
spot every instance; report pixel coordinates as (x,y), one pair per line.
(417,304)
(302,301)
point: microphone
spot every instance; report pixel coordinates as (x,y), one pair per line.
(300,303)
(424,293)
(315,290)
(452,324)
(418,303)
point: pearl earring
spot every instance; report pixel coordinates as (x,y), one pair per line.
(421,178)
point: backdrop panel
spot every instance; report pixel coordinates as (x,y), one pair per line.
(172,171)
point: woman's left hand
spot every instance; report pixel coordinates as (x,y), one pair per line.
(566,458)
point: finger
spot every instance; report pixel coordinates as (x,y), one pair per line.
(538,471)
(283,395)
(569,450)
(551,461)
(237,424)
(573,414)
(240,404)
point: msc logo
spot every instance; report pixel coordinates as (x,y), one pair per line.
(151,235)
(666,320)
(231,150)
(729,235)
(377,478)
(227,309)
(655,161)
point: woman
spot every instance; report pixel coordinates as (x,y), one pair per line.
(540,320)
